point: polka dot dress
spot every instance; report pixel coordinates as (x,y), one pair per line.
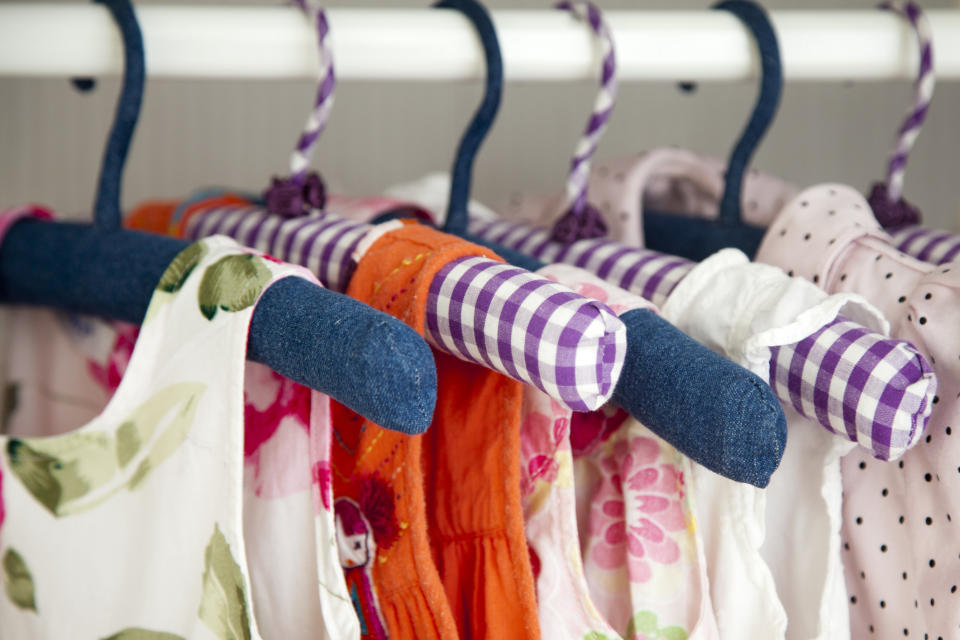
(901,544)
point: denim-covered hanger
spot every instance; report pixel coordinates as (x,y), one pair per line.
(886,198)
(687,394)
(301,330)
(694,238)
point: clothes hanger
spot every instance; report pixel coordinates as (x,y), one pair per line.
(886,198)
(654,275)
(326,244)
(695,238)
(677,387)
(301,330)
(898,217)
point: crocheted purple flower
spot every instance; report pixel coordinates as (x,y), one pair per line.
(289,198)
(576,225)
(889,214)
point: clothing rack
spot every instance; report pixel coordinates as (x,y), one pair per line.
(46,39)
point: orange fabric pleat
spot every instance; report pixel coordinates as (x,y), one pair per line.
(467,466)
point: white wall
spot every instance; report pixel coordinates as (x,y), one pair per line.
(197,133)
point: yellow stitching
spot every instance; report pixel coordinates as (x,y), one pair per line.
(406,262)
(369,448)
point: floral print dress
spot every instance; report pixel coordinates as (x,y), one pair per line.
(163,506)
(642,555)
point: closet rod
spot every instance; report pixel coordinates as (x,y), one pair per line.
(46,39)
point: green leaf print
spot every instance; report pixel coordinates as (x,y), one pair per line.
(673,633)
(232,283)
(136,633)
(180,268)
(223,606)
(596,635)
(72,473)
(645,622)
(17,581)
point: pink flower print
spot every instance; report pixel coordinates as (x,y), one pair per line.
(641,508)
(109,373)
(542,467)
(268,399)
(323,482)
(587,430)
(601,294)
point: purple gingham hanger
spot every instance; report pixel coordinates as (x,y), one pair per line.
(886,199)
(480,310)
(846,408)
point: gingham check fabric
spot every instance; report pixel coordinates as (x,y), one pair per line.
(929,245)
(480,310)
(857,384)
(853,381)
(649,274)
(560,341)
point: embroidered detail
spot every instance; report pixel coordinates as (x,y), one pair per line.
(356,542)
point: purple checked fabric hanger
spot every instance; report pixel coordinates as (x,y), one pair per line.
(886,198)
(480,310)
(654,275)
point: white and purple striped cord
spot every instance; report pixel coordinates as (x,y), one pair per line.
(580,219)
(886,199)
(300,160)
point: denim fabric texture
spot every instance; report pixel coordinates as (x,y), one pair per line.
(712,410)
(365,359)
(696,239)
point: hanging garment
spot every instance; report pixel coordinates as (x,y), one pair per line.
(564,604)
(665,179)
(465,504)
(802,518)
(153,485)
(672,180)
(796,508)
(643,556)
(901,554)
(69,363)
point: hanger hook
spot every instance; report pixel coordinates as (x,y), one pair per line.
(886,199)
(581,219)
(107,216)
(755,18)
(462,175)
(305,190)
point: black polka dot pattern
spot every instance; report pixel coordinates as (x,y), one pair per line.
(901,549)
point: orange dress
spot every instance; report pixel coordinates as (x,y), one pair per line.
(459,511)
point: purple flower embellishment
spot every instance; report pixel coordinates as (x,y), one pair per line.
(889,214)
(290,197)
(579,224)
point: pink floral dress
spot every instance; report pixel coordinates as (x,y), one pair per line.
(642,557)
